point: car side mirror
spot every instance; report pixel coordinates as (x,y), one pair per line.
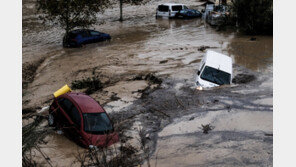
(198,72)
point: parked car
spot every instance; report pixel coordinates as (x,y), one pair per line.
(188,13)
(78,37)
(215,70)
(82,120)
(169,9)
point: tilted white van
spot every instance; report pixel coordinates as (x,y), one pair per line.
(215,70)
(169,9)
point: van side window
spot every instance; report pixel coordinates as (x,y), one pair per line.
(176,8)
(163,8)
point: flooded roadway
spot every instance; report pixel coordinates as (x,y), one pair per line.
(241,114)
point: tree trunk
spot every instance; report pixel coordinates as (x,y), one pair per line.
(120,6)
(67,18)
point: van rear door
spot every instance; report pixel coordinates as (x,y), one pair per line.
(163,10)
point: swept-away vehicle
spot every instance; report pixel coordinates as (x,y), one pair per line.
(217,15)
(215,70)
(208,9)
(169,9)
(79,37)
(82,120)
(188,13)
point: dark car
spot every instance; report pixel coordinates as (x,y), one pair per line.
(82,120)
(77,38)
(188,13)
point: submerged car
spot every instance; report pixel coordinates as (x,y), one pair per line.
(215,70)
(79,37)
(169,9)
(188,13)
(82,120)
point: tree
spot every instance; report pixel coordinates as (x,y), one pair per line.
(71,13)
(254,16)
(133,2)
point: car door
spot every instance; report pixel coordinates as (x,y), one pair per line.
(97,36)
(86,37)
(72,125)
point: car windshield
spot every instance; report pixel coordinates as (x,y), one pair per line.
(177,8)
(183,11)
(97,123)
(215,76)
(95,33)
(163,8)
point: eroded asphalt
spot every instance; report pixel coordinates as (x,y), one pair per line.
(170,113)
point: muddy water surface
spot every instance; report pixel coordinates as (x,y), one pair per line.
(168,48)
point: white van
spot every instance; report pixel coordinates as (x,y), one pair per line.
(169,9)
(215,70)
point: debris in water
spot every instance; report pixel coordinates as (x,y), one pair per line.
(149,77)
(114,97)
(60,132)
(206,128)
(92,84)
(268,134)
(44,109)
(203,48)
(163,61)
(243,78)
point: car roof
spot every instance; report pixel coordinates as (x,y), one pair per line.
(81,30)
(86,103)
(171,4)
(189,10)
(219,61)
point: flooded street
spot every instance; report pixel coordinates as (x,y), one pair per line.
(172,112)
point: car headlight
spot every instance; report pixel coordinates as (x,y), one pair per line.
(199,88)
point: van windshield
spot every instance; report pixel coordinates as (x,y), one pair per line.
(163,8)
(97,123)
(215,76)
(177,8)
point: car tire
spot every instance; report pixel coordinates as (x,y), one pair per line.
(51,121)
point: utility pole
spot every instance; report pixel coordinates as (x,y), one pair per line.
(120,6)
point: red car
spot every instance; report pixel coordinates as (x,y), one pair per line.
(82,119)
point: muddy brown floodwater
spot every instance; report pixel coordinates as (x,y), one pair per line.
(171,114)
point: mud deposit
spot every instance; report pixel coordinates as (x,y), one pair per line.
(146,75)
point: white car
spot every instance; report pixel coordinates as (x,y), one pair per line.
(169,9)
(215,70)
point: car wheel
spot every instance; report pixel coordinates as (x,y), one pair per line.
(51,121)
